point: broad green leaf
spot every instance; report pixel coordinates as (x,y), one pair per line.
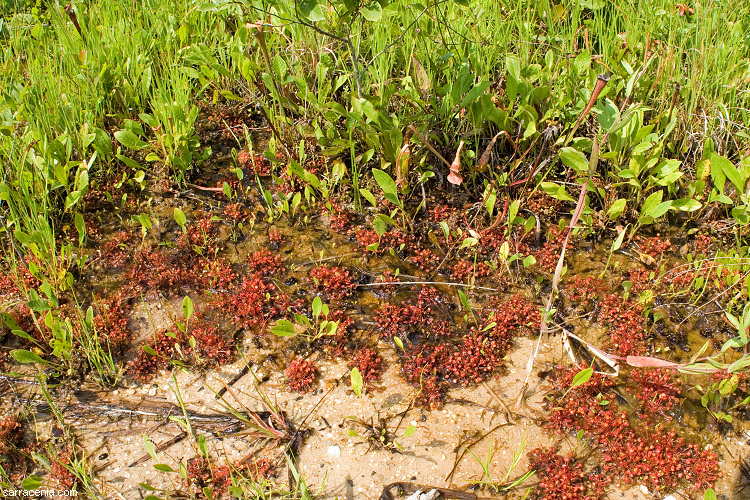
(372,11)
(32,482)
(729,170)
(284,328)
(187,307)
(27,357)
(129,139)
(617,208)
(651,202)
(179,218)
(163,468)
(574,159)
(474,93)
(368,196)
(582,377)
(686,205)
(739,365)
(317,306)
(357,382)
(386,183)
(409,431)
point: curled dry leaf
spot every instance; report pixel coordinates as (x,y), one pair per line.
(455,175)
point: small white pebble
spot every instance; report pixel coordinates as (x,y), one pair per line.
(334,451)
(643,489)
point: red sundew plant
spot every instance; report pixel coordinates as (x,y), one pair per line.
(651,455)
(585,289)
(146,364)
(201,237)
(656,390)
(214,274)
(11,434)
(422,317)
(118,250)
(464,270)
(627,326)
(549,254)
(335,281)
(111,321)
(9,283)
(424,259)
(562,478)
(212,348)
(60,470)
(654,246)
(300,375)
(275,238)
(341,219)
(337,344)
(199,471)
(263,262)
(439,213)
(211,345)
(369,363)
(236,212)
(258,469)
(253,303)
(423,367)
(255,162)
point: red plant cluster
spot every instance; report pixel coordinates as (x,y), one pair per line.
(652,455)
(476,356)
(654,246)
(236,212)
(255,162)
(201,473)
(212,348)
(548,256)
(111,322)
(145,365)
(424,259)
(580,289)
(541,203)
(60,470)
(335,281)
(563,478)
(702,243)
(422,317)
(423,367)
(439,213)
(341,219)
(626,323)
(300,375)
(253,303)
(657,391)
(260,468)
(275,238)
(464,270)
(642,280)
(263,262)
(169,271)
(119,249)
(11,434)
(201,237)
(369,363)
(338,343)
(8,282)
